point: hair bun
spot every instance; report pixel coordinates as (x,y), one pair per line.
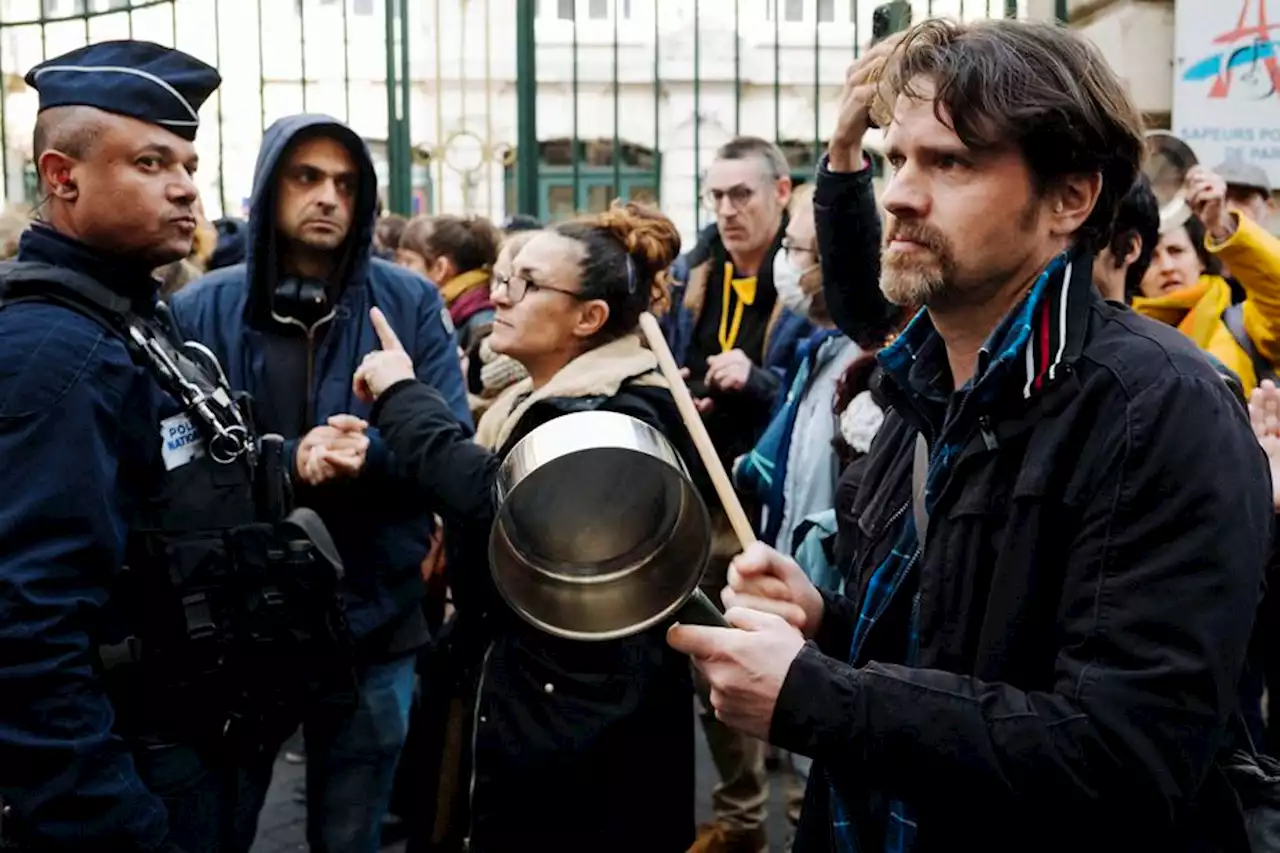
(651,240)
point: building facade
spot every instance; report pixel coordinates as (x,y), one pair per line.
(632,96)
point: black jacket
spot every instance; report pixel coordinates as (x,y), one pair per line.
(1086,595)
(604,760)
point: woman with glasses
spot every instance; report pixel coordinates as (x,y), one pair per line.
(488,373)
(571,746)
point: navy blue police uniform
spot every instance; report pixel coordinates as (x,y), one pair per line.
(131,483)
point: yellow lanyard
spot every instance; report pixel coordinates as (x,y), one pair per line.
(746,290)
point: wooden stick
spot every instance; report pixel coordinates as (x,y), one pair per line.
(697,431)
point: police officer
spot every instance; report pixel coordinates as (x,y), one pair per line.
(117,449)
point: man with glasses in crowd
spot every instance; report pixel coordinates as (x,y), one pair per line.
(735,341)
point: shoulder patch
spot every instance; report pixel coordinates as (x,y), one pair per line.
(447,320)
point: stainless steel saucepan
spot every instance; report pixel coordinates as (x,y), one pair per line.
(600,532)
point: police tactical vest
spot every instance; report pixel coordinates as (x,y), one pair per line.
(228,602)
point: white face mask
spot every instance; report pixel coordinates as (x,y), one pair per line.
(786,281)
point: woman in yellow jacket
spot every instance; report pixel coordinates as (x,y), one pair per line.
(1185,286)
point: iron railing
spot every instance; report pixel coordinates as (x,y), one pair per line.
(492,106)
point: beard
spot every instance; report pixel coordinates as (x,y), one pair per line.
(916,278)
(322,241)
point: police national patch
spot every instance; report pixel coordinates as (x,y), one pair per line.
(181,441)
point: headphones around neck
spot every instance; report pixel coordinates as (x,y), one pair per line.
(301,301)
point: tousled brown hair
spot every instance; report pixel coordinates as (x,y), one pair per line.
(1037,86)
(388,230)
(628,250)
(470,241)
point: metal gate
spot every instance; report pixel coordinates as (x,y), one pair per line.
(546,107)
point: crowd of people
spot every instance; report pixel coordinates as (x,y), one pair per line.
(1008,436)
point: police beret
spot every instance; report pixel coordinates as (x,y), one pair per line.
(139,79)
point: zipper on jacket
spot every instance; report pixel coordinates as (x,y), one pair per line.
(881,534)
(475,736)
(310,417)
(913,639)
(310,412)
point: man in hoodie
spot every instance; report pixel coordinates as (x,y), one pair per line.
(291,325)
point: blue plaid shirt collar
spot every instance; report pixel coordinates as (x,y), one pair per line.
(917,360)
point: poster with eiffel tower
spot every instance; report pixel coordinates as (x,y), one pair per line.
(1226,81)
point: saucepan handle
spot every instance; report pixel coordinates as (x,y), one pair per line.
(700,610)
(697,431)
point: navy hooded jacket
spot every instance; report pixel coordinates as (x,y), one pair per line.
(381,529)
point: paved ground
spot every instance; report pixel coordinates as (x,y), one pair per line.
(281,829)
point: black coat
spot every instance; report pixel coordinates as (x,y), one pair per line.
(601,760)
(1086,595)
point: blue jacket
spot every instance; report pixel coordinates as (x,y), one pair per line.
(79,436)
(381,529)
(762,474)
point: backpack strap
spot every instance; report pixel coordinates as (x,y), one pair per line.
(25,281)
(1233,319)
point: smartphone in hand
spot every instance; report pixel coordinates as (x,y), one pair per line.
(889,18)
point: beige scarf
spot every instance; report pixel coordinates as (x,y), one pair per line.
(599,372)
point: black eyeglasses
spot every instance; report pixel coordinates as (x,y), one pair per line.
(517,286)
(791,247)
(738,197)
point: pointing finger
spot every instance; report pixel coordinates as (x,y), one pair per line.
(386,335)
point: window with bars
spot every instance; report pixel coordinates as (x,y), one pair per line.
(637,175)
(54,8)
(595,10)
(802,11)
